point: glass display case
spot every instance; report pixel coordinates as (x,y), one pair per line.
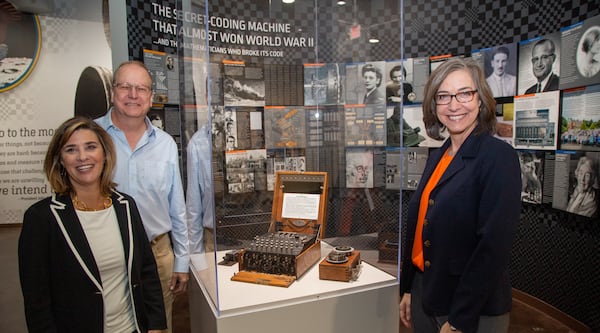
(283,86)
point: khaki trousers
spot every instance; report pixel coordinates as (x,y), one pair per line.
(165,261)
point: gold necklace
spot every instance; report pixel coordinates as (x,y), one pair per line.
(80,205)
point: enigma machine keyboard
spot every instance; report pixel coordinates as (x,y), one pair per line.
(275,253)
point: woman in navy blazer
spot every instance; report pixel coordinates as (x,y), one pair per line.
(457,279)
(65,264)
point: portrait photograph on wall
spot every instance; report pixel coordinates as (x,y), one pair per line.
(581,54)
(500,67)
(359,168)
(539,64)
(576,182)
(365,83)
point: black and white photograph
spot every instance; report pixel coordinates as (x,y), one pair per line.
(218,128)
(365,83)
(532,175)
(588,55)
(230,126)
(324,84)
(405,80)
(398,86)
(581,54)
(243,84)
(359,168)
(246,170)
(399,131)
(412,116)
(500,67)
(539,64)
(576,182)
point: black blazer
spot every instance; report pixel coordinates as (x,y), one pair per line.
(472,218)
(551,85)
(59,277)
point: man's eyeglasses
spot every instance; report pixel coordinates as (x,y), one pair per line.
(543,57)
(127,87)
(462,97)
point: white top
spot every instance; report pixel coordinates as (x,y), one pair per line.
(102,232)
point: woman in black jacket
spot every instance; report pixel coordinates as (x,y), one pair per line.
(463,216)
(85,263)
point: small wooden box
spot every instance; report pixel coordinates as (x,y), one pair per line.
(345,271)
(299,207)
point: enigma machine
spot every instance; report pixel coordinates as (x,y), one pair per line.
(293,243)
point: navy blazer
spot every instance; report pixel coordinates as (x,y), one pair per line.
(59,277)
(471,221)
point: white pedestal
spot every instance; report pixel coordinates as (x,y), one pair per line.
(369,304)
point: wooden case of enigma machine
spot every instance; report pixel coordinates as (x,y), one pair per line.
(293,243)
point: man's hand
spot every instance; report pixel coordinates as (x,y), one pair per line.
(405,310)
(179,282)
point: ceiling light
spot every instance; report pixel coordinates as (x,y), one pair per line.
(373,40)
(341,2)
(288,1)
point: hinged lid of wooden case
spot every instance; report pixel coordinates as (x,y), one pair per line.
(300,202)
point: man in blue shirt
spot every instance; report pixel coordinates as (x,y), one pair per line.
(148,169)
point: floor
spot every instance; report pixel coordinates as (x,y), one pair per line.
(524,318)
